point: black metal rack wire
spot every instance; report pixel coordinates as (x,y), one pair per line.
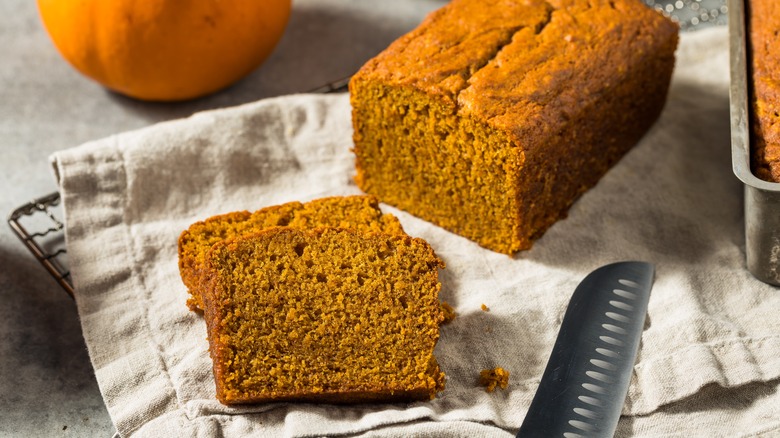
(37,225)
(692,14)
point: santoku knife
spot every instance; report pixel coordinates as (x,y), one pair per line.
(584,386)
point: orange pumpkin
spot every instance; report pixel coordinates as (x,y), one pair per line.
(165,50)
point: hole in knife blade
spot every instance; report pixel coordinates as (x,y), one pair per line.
(629,283)
(624,294)
(591,400)
(621,305)
(607,352)
(618,317)
(611,340)
(581,425)
(587,413)
(614,329)
(572,435)
(594,388)
(599,376)
(603,364)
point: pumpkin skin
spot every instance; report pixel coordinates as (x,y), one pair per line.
(165,50)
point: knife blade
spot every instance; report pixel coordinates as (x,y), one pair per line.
(584,386)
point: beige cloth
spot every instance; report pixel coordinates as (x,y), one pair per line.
(710,357)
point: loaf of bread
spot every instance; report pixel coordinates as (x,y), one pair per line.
(493,116)
(359,212)
(323,315)
(764,19)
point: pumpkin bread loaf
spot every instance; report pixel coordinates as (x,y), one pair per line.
(493,116)
(325,314)
(764,19)
(359,212)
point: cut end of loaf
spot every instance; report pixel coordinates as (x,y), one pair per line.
(492,118)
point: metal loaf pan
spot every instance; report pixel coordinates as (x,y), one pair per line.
(762,198)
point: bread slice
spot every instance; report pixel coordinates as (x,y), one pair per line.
(358,212)
(325,315)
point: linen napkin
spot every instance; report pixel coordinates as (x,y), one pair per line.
(710,356)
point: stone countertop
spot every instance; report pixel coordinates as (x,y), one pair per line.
(47,385)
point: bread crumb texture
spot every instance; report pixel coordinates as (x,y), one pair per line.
(449,312)
(497,377)
(323,314)
(361,213)
(492,117)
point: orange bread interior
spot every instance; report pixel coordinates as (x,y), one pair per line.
(323,314)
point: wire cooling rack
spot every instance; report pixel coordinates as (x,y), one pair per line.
(37,225)
(692,14)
